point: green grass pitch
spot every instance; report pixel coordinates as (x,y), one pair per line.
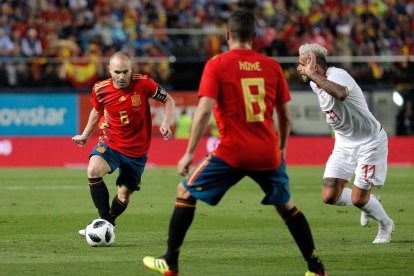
(41,211)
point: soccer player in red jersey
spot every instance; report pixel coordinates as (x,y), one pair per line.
(243,88)
(120,105)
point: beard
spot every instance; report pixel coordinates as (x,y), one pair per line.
(304,78)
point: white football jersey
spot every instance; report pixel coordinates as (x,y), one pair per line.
(351,119)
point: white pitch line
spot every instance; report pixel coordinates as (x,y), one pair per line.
(15,188)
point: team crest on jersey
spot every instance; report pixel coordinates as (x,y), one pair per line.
(101,149)
(136,100)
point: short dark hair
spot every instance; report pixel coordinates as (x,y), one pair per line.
(242,25)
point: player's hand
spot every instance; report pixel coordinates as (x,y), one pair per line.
(183,166)
(166,131)
(310,66)
(79,140)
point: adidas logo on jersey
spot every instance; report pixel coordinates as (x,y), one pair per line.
(122,98)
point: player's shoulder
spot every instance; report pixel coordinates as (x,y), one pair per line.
(139,77)
(101,84)
(214,62)
(332,70)
(341,76)
(215,59)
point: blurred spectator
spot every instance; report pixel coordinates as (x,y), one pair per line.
(7,69)
(31,45)
(76,5)
(192,31)
(214,136)
(6,44)
(324,39)
(183,126)
(405,119)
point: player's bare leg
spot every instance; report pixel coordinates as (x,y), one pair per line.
(334,192)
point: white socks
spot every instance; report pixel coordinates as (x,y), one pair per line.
(345,199)
(375,210)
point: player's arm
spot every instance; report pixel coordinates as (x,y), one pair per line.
(284,126)
(169,106)
(168,120)
(201,119)
(81,139)
(332,88)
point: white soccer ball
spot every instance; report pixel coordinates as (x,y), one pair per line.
(100,233)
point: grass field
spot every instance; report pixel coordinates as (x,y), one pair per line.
(41,211)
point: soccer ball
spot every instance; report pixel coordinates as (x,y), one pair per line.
(100,233)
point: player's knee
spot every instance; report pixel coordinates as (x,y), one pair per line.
(330,194)
(124,199)
(93,171)
(124,194)
(359,201)
(182,192)
(329,199)
(360,197)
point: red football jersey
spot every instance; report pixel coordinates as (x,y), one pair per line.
(246,86)
(127,113)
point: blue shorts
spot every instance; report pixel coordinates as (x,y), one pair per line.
(212,177)
(130,169)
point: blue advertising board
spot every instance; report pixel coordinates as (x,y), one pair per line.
(38,114)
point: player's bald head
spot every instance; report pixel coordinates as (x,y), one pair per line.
(120,68)
(120,58)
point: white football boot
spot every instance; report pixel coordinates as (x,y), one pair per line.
(385,232)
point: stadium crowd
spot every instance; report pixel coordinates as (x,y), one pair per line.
(66,43)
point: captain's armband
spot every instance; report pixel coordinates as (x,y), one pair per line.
(160,94)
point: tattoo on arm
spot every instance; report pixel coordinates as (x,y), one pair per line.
(335,90)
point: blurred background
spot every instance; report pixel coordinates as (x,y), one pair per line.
(52,51)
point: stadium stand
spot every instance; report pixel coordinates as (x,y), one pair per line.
(67,42)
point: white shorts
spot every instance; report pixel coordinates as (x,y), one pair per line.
(367,161)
